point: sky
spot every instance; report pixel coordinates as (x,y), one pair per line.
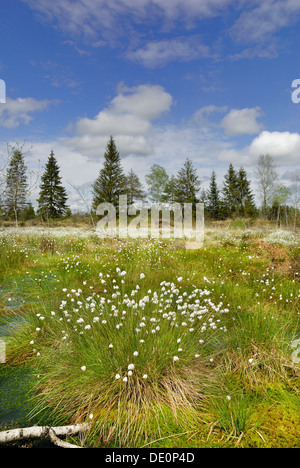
(168,79)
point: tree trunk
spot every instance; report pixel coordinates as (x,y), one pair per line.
(50,433)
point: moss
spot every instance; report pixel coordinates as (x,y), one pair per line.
(280,428)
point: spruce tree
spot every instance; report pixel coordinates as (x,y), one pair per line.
(246,205)
(169,194)
(111,182)
(213,198)
(52,202)
(134,188)
(15,197)
(231,192)
(187,184)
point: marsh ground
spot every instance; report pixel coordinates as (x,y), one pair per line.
(154,345)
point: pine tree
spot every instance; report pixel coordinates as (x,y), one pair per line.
(230,192)
(52,202)
(246,205)
(134,188)
(213,204)
(187,184)
(15,197)
(111,182)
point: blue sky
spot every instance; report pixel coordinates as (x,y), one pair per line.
(169,79)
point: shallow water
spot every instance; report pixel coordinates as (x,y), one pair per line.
(15,403)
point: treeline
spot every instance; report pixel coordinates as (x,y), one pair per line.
(233,199)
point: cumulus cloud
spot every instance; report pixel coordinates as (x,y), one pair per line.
(18,111)
(242,121)
(283,147)
(128,118)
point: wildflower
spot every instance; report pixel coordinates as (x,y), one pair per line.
(125,379)
(175,358)
(135,353)
(142,276)
(117,376)
(145,376)
(131,367)
(83,368)
(228,397)
(179,279)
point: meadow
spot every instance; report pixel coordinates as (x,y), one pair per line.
(151,344)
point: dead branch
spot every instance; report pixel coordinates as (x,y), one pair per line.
(45,433)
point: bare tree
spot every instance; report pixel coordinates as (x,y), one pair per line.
(295,195)
(281,197)
(266,177)
(85,202)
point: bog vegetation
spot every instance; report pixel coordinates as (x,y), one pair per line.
(155,346)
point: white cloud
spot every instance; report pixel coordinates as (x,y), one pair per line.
(242,121)
(201,116)
(283,147)
(117,23)
(18,111)
(89,17)
(157,53)
(128,118)
(268,17)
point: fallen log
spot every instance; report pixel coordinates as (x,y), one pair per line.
(44,432)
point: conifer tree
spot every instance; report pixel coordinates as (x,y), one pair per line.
(213,203)
(246,205)
(169,194)
(52,202)
(111,182)
(187,184)
(230,192)
(15,196)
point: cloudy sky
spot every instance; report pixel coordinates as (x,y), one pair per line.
(169,79)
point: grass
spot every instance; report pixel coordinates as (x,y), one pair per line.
(154,345)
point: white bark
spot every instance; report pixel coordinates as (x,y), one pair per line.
(51,433)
